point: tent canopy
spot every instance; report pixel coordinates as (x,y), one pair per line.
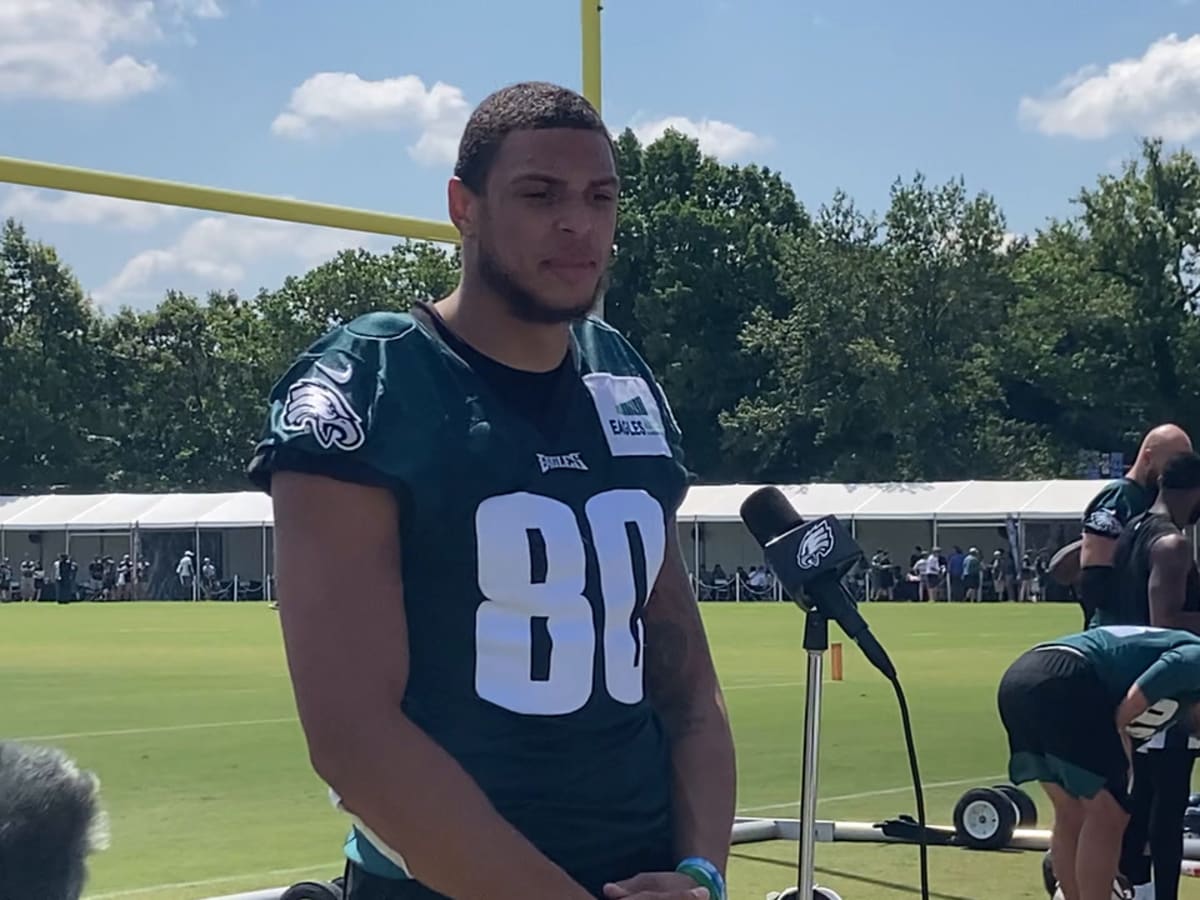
(945,501)
(121,512)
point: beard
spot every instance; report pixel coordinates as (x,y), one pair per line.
(527,306)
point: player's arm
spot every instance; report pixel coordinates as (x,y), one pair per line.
(681,681)
(1097,551)
(345,633)
(1170,563)
(1176,671)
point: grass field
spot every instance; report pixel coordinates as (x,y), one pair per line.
(185,712)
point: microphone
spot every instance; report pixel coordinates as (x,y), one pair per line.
(809,559)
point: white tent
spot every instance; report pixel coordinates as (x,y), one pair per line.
(945,501)
(236,525)
(942,501)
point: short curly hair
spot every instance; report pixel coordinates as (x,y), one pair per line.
(1182,472)
(525,106)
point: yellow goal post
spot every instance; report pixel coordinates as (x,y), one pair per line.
(32,173)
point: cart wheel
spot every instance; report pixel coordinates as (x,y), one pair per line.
(1026,808)
(984,819)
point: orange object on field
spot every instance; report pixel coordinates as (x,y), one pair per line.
(835,661)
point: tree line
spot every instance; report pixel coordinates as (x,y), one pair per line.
(795,344)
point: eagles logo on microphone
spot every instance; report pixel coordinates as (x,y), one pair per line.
(817,544)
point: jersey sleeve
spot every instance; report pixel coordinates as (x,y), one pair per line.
(1174,673)
(322,415)
(1107,514)
(671,429)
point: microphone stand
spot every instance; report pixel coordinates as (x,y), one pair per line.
(816,642)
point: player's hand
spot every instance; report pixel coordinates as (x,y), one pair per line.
(656,886)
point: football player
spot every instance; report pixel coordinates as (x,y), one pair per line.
(1072,708)
(1158,584)
(1089,561)
(498,661)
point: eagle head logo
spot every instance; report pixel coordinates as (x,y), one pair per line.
(323,411)
(816,545)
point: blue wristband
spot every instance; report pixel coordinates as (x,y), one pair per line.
(705,874)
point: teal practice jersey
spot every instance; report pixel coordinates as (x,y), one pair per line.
(1164,663)
(1117,503)
(529,555)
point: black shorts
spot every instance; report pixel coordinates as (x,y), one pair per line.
(1060,723)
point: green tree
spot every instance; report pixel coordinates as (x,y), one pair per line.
(1104,341)
(698,251)
(186,383)
(53,420)
(352,283)
(878,369)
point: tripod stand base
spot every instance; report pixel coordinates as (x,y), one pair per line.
(819,893)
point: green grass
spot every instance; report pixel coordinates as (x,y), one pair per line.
(185,712)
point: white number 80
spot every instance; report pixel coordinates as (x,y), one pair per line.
(528,590)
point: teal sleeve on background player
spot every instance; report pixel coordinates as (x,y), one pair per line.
(1175,675)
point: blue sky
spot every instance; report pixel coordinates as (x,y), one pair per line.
(360,102)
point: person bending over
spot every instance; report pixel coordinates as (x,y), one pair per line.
(1072,708)
(1157,584)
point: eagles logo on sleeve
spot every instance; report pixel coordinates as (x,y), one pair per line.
(325,412)
(815,546)
(1103,522)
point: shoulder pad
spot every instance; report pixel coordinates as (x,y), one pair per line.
(381,325)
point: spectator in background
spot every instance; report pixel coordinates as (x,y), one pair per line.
(208,578)
(6,577)
(125,578)
(185,571)
(883,576)
(954,568)
(759,582)
(720,582)
(95,586)
(1028,593)
(917,556)
(1004,576)
(39,581)
(50,822)
(931,573)
(27,569)
(110,578)
(142,579)
(1041,568)
(972,576)
(65,571)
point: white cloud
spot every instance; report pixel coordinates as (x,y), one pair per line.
(77,49)
(333,101)
(1157,93)
(219,252)
(724,141)
(83,209)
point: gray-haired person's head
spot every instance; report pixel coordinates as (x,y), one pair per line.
(50,822)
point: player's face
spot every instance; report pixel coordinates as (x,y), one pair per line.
(546,225)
